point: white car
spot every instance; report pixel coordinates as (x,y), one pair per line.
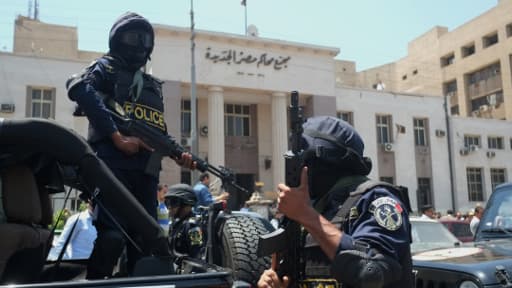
(428,234)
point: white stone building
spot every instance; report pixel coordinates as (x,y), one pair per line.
(243,85)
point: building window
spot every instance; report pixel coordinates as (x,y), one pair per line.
(383,129)
(420,132)
(498,176)
(186,177)
(450,88)
(509,30)
(424,192)
(490,40)
(475,184)
(471,140)
(237,120)
(347,116)
(454,110)
(447,60)
(389,180)
(468,50)
(41,102)
(495,143)
(186,118)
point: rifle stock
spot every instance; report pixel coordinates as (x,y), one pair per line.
(285,242)
(165,145)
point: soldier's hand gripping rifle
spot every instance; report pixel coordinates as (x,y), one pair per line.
(285,242)
(165,145)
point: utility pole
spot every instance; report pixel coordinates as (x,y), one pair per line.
(449,141)
(36,10)
(244,3)
(193,97)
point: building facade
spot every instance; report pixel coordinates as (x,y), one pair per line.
(243,85)
(470,64)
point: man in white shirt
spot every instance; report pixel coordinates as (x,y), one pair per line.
(473,225)
(82,237)
(427,212)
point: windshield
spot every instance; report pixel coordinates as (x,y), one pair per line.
(497,219)
(428,235)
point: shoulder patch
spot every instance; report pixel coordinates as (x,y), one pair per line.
(387,212)
(195,236)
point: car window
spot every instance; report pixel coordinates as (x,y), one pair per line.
(461,229)
(498,213)
(427,235)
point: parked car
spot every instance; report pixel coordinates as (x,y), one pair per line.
(429,235)
(459,228)
(487,262)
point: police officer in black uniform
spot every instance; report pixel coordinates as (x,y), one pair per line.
(357,231)
(117,77)
(185,234)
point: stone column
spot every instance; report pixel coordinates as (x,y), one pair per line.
(216,127)
(279,136)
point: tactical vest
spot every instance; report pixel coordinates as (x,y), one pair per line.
(140,94)
(316,264)
(185,238)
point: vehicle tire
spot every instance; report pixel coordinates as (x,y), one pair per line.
(239,240)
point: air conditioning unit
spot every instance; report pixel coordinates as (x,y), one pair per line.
(7,108)
(204,130)
(440,133)
(473,148)
(186,142)
(484,108)
(491,154)
(463,151)
(388,147)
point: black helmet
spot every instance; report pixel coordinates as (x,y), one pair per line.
(179,195)
(132,38)
(335,142)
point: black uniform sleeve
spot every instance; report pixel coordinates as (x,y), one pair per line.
(375,241)
(375,270)
(85,93)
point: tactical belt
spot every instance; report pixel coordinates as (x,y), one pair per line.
(319,283)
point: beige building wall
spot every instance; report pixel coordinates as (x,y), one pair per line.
(439,57)
(48,40)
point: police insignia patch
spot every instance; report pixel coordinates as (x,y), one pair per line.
(388,213)
(195,235)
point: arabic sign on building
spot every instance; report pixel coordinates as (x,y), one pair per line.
(239,57)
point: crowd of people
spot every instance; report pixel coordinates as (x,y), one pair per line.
(472,216)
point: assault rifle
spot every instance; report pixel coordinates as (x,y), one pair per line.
(165,145)
(285,242)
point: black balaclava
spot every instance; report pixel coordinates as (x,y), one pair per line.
(132,39)
(332,149)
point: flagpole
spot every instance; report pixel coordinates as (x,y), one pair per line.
(244,2)
(193,97)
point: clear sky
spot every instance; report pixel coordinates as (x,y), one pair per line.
(370,32)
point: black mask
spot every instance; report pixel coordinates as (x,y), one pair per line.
(321,177)
(134,47)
